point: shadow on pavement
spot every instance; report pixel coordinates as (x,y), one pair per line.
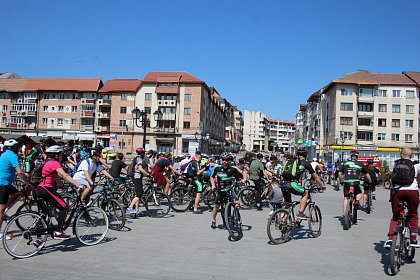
(70,245)
(379,247)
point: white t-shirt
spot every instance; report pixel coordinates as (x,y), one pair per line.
(414,186)
(91,167)
(315,165)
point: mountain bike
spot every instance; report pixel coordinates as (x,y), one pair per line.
(401,251)
(90,227)
(350,216)
(281,223)
(229,209)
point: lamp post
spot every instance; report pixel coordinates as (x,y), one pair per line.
(141,120)
(199,137)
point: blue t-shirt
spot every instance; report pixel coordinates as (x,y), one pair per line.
(8,162)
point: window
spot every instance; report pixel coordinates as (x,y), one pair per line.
(382,122)
(123,123)
(382,93)
(167,110)
(346,121)
(185,145)
(346,106)
(187,111)
(123,110)
(364,121)
(147,96)
(409,138)
(188,97)
(167,97)
(364,136)
(381,136)
(148,110)
(346,91)
(409,109)
(396,108)
(121,144)
(44,120)
(409,94)
(73,109)
(45,109)
(396,93)
(395,137)
(75,96)
(73,121)
(382,107)
(366,92)
(4,107)
(409,123)
(60,121)
(347,134)
(124,96)
(395,123)
(187,125)
(365,107)
(60,108)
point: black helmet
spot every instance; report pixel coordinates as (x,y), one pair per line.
(302,152)
(370,161)
(95,152)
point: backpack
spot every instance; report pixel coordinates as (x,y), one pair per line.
(35,178)
(184,166)
(403,173)
(189,170)
(290,169)
(132,167)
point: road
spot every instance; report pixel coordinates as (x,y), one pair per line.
(183,246)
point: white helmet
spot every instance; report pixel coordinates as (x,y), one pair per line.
(10,143)
(314,159)
(56,149)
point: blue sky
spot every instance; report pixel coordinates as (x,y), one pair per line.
(267,56)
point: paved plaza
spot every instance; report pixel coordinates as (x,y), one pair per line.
(183,246)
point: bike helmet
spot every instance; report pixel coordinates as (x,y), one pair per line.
(354,153)
(140,150)
(226,156)
(301,152)
(99,147)
(370,161)
(10,143)
(54,150)
(95,152)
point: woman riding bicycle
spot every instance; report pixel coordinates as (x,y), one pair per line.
(45,190)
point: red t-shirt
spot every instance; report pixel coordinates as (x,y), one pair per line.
(49,173)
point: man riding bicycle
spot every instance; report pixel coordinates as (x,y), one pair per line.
(37,153)
(292,170)
(350,175)
(374,174)
(223,176)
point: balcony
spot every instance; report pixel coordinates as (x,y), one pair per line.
(167,103)
(168,117)
(102,115)
(87,101)
(101,128)
(164,130)
(86,127)
(104,102)
(87,114)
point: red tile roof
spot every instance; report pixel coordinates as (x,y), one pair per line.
(65,84)
(365,77)
(182,77)
(415,76)
(119,85)
(13,85)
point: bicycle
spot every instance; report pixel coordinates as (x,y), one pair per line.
(231,216)
(369,204)
(350,216)
(90,227)
(282,222)
(247,194)
(400,247)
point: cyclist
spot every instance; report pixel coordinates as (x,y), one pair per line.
(84,172)
(197,176)
(37,153)
(374,174)
(50,172)
(350,174)
(117,166)
(9,166)
(330,168)
(222,176)
(290,183)
(256,173)
(405,193)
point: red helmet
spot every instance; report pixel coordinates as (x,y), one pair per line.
(140,150)
(354,153)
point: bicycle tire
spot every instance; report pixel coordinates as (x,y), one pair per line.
(209,198)
(91,225)
(29,205)
(233,221)
(396,252)
(315,221)
(158,204)
(180,199)
(18,242)
(115,213)
(354,215)
(369,203)
(347,218)
(279,226)
(247,198)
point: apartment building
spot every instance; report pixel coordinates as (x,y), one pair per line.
(280,134)
(375,113)
(234,130)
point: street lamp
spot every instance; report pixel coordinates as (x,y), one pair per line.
(141,120)
(199,137)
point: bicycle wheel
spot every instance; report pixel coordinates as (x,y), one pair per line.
(157,204)
(369,203)
(233,221)
(115,213)
(315,221)
(279,226)
(247,198)
(208,198)
(91,225)
(347,218)
(396,254)
(354,215)
(30,205)
(180,199)
(18,241)
(409,251)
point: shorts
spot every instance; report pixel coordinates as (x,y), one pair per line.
(5,192)
(357,188)
(220,196)
(29,166)
(291,188)
(369,187)
(159,178)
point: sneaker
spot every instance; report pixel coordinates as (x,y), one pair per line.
(388,244)
(130,210)
(302,216)
(60,235)
(271,212)
(213,225)
(414,243)
(198,211)
(259,209)
(39,242)
(373,196)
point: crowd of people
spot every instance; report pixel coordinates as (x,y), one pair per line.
(77,165)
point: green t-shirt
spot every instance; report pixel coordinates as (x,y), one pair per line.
(256,170)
